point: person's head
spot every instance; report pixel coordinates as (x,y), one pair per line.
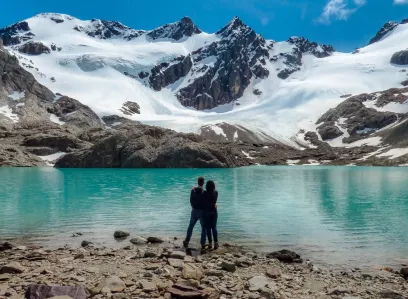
(200,181)
(210,186)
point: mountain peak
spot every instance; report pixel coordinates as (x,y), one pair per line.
(176,31)
(385,29)
(235,26)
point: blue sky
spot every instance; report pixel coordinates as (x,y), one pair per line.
(345,24)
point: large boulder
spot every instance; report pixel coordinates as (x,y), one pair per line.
(285,256)
(400,58)
(45,291)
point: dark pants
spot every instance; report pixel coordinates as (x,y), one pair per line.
(210,224)
(195,216)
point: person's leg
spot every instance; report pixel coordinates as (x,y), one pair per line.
(193,221)
(203,230)
(214,231)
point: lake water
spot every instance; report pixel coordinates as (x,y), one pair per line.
(332,215)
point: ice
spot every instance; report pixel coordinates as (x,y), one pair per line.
(247,155)
(56,119)
(292,162)
(52,158)
(17,95)
(8,112)
(219,131)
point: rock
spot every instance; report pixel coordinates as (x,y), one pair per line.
(390,294)
(269,294)
(86,243)
(129,283)
(400,58)
(155,240)
(257,283)
(130,108)
(190,271)
(34,48)
(285,256)
(120,234)
(228,266)
(178,255)
(176,263)
(214,273)
(138,241)
(44,291)
(338,291)
(148,286)
(79,256)
(387,28)
(12,268)
(61,297)
(274,273)
(6,246)
(115,284)
(5,277)
(150,253)
(404,272)
(183,28)
(185,292)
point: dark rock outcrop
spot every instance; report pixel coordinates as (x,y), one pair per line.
(387,28)
(60,141)
(34,48)
(167,73)
(176,31)
(15,156)
(109,29)
(74,113)
(400,58)
(223,69)
(130,108)
(11,35)
(285,256)
(306,46)
(141,146)
(329,131)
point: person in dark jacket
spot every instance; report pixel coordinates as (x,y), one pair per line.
(196,212)
(209,200)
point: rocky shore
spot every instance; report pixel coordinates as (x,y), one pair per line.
(156,268)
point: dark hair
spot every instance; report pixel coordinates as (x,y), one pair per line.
(200,181)
(210,186)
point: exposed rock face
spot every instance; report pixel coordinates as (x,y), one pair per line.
(358,119)
(15,156)
(167,73)
(72,112)
(109,29)
(387,28)
(400,58)
(301,46)
(183,28)
(44,291)
(223,69)
(10,35)
(34,48)
(146,147)
(130,108)
(224,132)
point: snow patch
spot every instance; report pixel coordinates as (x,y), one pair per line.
(217,130)
(247,155)
(292,162)
(8,112)
(394,153)
(56,119)
(17,95)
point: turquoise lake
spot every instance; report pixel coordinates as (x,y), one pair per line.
(332,215)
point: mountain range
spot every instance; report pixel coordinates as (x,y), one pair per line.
(231,86)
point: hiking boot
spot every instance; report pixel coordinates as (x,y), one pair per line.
(216,246)
(203,249)
(210,246)
(185,244)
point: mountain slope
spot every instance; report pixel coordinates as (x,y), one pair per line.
(184,79)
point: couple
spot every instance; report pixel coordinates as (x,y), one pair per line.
(204,208)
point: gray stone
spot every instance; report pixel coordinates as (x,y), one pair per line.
(119,234)
(5,277)
(338,291)
(228,266)
(257,283)
(12,268)
(176,263)
(115,284)
(190,271)
(44,291)
(148,286)
(390,294)
(178,255)
(155,240)
(404,272)
(138,241)
(400,58)
(274,273)
(34,48)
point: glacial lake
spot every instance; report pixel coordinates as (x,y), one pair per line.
(356,216)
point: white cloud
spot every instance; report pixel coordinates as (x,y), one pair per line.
(340,10)
(400,2)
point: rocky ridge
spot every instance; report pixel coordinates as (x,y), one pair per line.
(169,271)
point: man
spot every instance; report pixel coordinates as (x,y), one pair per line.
(196,212)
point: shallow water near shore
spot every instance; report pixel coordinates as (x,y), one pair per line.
(348,216)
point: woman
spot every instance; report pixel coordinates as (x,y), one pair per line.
(209,201)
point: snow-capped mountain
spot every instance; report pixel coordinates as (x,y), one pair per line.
(179,77)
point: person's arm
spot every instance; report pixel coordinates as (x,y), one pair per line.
(192,196)
(216,199)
